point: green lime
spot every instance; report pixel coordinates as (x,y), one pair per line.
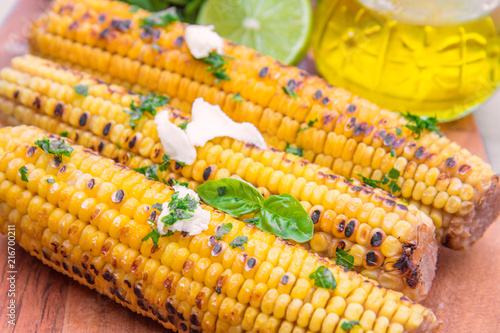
(278,28)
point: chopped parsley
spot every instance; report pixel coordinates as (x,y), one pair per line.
(56,147)
(156,47)
(81,89)
(147,104)
(347,325)
(310,124)
(216,64)
(393,152)
(158,206)
(399,132)
(64,134)
(176,182)
(51,181)
(165,163)
(343,258)
(419,124)
(159,19)
(183,125)
(151,171)
(391,180)
(239,242)
(224,229)
(24,172)
(154,235)
(289,89)
(323,278)
(237,97)
(180,209)
(296,151)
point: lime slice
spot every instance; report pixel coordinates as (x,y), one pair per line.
(278,28)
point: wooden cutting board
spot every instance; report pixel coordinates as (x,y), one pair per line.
(465,294)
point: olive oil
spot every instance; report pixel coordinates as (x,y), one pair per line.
(446,70)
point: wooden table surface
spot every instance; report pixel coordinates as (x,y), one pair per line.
(465,294)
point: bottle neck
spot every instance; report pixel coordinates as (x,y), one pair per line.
(432,12)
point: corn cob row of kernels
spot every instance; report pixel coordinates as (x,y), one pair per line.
(377,230)
(219,289)
(353,139)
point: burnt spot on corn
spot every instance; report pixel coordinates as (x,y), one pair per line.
(349,229)
(58,110)
(404,299)
(156,34)
(122,25)
(357,188)
(216,249)
(106,129)
(73,25)
(118,196)
(16,94)
(193,318)
(263,71)
(325,101)
(120,293)
(369,130)
(101,18)
(318,94)
(91,184)
(65,265)
(390,203)
(333,177)
(37,103)
(421,153)
(46,253)
(138,290)
(104,33)
(142,305)
(284,279)
(341,226)
(100,147)
(161,317)
(89,278)
(62,169)
(451,162)
(251,262)
(83,119)
(389,139)
(341,245)
(177,166)
(399,142)
(31,151)
(94,269)
(371,258)
(351,108)
(360,128)
(55,162)
(182,326)
(414,278)
(464,169)
(132,142)
(179,41)
(376,239)
(315,216)
(402,207)
(211,241)
(169,306)
(76,271)
(207,172)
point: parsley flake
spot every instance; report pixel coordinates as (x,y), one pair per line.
(151,171)
(224,229)
(347,325)
(64,134)
(81,89)
(399,132)
(296,151)
(237,97)
(239,242)
(24,172)
(183,125)
(419,124)
(57,147)
(216,64)
(310,124)
(289,89)
(154,235)
(147,104)
(159,19)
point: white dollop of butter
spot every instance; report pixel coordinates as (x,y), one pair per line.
(174,140)
(193,225)
(202,39)
(209,122)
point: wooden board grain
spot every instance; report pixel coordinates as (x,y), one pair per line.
(465,293)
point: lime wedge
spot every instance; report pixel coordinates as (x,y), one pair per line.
(278,28)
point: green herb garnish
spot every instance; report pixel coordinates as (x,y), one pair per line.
(184,125)
(158,206)
(224,229)
(347,325)
(151,171)
(239,242)
(147,104)
(156,47)
(51,181)
(419,124)
(165,163)
(343,258)
(393,152)
(180,209)
(310,124)
(323,278)
(64,134)
(133,9)
(296,151)
(289,89)
(391,180)
(159,19)
(57,147)
(399,132)
(24,172)
(237,97)
(217,63)
(281,215)
(81,89)
(154,235)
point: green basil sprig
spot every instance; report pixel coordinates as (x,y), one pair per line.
(323,278)
(281,215)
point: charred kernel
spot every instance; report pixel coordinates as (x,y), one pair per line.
(341,226)
(389,139)
(106,129)
(77,271)
(341,244)
(206,173)
(58,110)
(369,130)
(251,263)
(31,151)
(170,307)
(177,165)
(132,142)
(104,33)
(284,279)
(128,283)
(101,18)
(315,216)
(16,94)
(55,162)
(216,249)
(359,128)
(464,169)
(142,305)
(73,25)
(65,265)
(161,317)
(399,142)
(171,319)
(351,123)
(146,33)
(390,203)
(184,234)
(100,147)
(377,239)
(263,71)
(180,315)
(328,118)
(120,293)
(156,34)
(83,119)
(138,290)
(194,319)
(451,162)
(118,196)
(63,169)
(402,207)
(357,188)
(183,326)
(179,41)
(371,258)
(37,102)
(318,94)
(351,108)
(421,153)
(152,215)
(91,183)
(413,280)
(349,229)
(404,299)
(211,241)
(325,101)
(88,278)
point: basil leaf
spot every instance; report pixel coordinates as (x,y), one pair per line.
(323,278)
(81,89)
(347,325)
(24,171)
(283,216)
(224,229)
(231,196)
(239,242)
(343,258)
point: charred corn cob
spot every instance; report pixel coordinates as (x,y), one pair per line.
(390,242)
(351,136)
(80,226)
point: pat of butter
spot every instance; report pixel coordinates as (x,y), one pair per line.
(202,39)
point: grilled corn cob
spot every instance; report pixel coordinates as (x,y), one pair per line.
(351,136)
(390,242)
(78,225)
